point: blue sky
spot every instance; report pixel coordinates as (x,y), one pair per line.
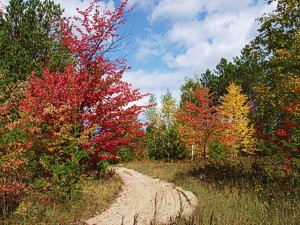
(172,39)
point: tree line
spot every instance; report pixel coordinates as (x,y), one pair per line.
(246,106)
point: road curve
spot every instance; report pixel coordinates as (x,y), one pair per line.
(144,200)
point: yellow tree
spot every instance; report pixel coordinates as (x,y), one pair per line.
(235,110)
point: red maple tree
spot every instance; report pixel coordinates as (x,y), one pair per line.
(200,121)
(90,101)
(72,122)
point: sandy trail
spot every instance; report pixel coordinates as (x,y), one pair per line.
(143,199)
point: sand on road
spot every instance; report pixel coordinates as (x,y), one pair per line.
(144,200)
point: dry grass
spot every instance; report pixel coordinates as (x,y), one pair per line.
(97,195)
(224,200)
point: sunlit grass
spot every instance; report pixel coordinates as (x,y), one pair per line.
(227,200)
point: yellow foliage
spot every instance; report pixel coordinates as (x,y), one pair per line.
(235,109)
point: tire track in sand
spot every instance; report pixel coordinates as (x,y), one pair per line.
(143,199)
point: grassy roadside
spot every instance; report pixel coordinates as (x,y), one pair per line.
(225,197)
(96,196)
(225,201)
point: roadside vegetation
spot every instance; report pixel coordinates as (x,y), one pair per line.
(96,195)
(231,192)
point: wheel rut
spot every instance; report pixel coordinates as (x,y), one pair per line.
(144,200)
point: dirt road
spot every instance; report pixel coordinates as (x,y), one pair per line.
(143,200)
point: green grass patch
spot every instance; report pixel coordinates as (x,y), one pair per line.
(235,193)
(96,195)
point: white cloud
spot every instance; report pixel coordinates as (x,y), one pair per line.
(194,43)
(143,4)
(145,53)
(153,46)
(71,6)
(188,9)
(156,82)
(178,9)
(220,35)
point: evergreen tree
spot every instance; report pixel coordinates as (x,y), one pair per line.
(187,89)
(29,39)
